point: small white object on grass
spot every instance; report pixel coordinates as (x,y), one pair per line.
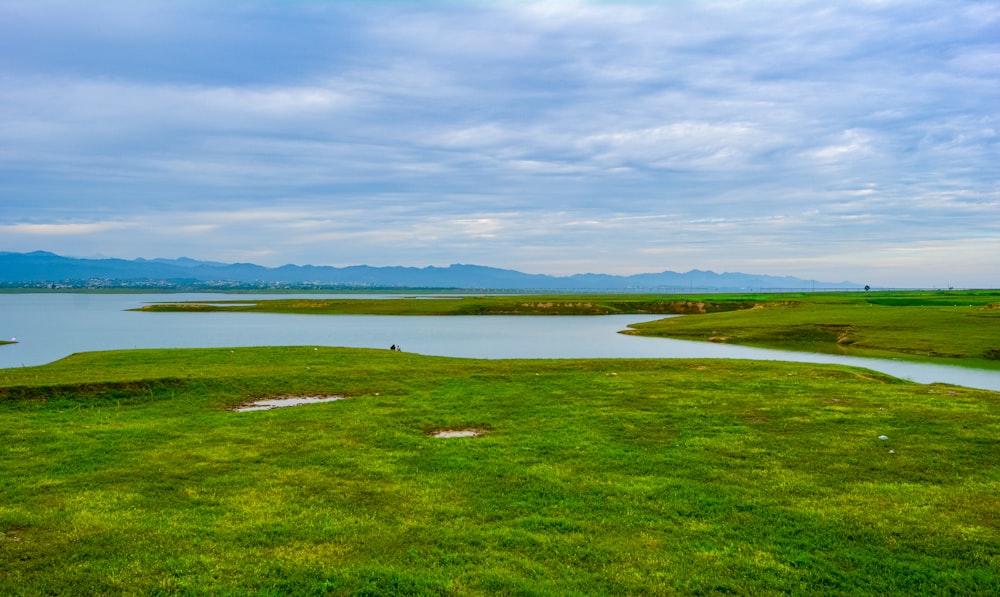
(883,437)
(282,401)
(449,433)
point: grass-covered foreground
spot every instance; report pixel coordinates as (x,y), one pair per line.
(126,473)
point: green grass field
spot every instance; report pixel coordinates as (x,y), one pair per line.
(126,473)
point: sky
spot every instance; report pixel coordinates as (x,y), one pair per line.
(856,140)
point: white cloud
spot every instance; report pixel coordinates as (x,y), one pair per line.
(851,145)
(695,145)
(477,136)
(88,110)
(76,229)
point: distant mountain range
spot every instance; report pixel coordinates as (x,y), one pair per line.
(44,269)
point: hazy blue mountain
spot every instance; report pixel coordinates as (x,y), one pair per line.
(44,268)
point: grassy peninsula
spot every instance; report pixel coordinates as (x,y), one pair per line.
(949,328)
(945,327)
(127,473)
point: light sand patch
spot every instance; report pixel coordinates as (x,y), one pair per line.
(446,433)
(283,401)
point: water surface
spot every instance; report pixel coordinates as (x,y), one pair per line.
(49,327)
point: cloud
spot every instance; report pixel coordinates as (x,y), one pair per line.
(77,229)
(921,264)
(850,146)
(114,112)
(684,145)
(544,135)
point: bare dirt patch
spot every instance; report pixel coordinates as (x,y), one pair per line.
(449,433)
(283,401)
(844,337)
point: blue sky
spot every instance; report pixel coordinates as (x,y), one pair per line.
(856,140)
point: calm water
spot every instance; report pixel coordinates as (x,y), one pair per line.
(49,327)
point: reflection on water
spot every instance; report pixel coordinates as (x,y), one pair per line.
(51,326)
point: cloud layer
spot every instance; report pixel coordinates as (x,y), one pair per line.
(856,141)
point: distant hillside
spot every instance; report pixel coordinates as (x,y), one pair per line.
(48,269)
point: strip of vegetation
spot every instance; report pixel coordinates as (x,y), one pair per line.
(127,473)
(471,305)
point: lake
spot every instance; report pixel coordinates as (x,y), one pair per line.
(49,327)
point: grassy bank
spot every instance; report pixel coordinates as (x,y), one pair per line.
(125,473)
(947,328)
